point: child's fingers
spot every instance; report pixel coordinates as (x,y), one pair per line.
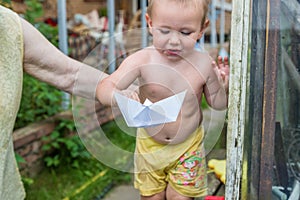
(216,68)
(220,61)
(214,64)
(226,60)
(130,94)
(135,96)
(223,64)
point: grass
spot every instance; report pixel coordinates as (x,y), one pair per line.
(89,180)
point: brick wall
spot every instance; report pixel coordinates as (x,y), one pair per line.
(28,144)
(28,140)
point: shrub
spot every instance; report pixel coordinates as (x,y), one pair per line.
(39,100)
(65,149)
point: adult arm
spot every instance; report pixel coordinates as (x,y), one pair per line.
(45,62)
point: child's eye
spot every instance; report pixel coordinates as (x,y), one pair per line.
(164,31)
(185,32)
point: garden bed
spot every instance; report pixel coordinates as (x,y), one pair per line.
(29,140)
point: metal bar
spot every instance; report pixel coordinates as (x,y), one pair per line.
(111,43)
(63,41)
(222,24)
(222,52)
(144,24)
(62,26)
(213,18)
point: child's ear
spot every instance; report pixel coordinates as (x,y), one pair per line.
(149,22)
(203,28)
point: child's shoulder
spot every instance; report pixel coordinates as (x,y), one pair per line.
(140,56)
(202,62)
(200,58)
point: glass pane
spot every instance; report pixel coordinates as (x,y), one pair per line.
(286,180)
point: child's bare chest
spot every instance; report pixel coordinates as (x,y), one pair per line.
(166,80)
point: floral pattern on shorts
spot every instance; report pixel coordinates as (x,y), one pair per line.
(190,170)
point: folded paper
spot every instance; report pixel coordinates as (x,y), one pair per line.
(149,114)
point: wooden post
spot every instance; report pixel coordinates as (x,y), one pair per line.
(272,53)
(259,136)
(237,97)
(253,141)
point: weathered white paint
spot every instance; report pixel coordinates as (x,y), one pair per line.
(237,96)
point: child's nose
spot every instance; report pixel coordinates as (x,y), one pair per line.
(174,39)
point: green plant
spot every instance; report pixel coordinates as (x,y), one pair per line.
(102,12)
(39,101)
(33,14)
(26,180)
(19,159)
(34,10)
(63,147)
(204,104)
(69,182)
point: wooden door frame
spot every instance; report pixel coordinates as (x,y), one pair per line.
(252,99)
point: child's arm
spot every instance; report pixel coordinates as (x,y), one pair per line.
(119,81)
(216,88)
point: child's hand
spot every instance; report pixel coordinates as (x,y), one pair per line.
(222,69)
(131,94)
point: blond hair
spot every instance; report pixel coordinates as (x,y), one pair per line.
(196,3)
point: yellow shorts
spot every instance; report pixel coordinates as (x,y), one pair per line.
(183,165)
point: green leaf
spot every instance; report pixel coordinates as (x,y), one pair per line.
(54,135)
(88,173)
(19,158)
(46,147)
(55,145)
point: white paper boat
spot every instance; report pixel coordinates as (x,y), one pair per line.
(149,114)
